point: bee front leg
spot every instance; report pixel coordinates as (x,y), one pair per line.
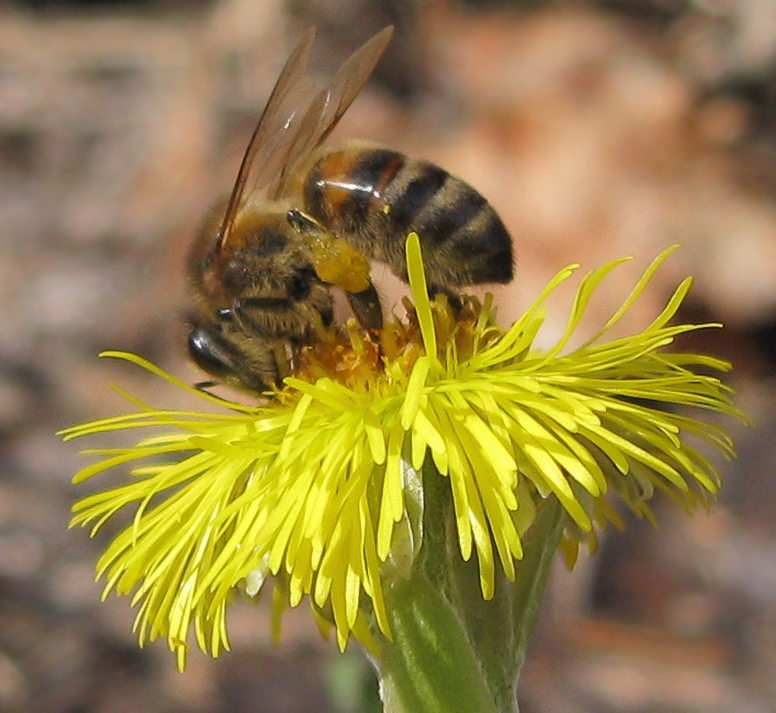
(266,317)
(278,324)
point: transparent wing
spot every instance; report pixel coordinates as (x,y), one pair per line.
(328,106)
(292,124)
(271,137)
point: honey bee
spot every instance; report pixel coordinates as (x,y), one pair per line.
(301,219)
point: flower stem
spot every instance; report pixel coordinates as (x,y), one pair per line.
(452,650)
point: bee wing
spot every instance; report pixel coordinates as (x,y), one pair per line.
(273,134)
(328,107)
(292,126)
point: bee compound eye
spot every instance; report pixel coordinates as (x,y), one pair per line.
(210,354)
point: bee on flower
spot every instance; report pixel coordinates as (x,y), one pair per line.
(411,478)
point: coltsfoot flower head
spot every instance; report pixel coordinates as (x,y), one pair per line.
(321,486)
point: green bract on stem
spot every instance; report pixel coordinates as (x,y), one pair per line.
(450,455)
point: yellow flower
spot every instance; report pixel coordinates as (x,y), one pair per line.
(322,485)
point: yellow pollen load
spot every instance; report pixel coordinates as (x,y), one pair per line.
(340,264)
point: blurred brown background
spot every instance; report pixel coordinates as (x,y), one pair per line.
(598,129)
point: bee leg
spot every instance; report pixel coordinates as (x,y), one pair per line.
(269,304)
(366,306)
(253,315)
(281,343)
(282,360)
(206,385)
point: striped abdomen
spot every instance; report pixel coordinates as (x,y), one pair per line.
(373,198)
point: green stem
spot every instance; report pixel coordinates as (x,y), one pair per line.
(451,650)
(430,666)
